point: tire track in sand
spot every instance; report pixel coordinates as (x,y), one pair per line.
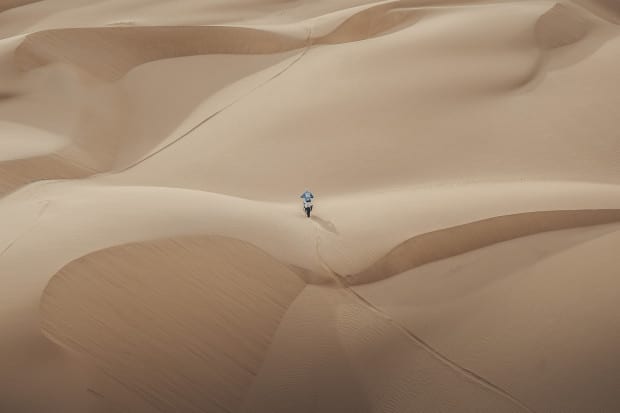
(411,336)
(27,230)
(308,46)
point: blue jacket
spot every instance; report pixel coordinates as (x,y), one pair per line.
(307,196)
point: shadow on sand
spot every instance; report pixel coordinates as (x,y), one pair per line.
(326,225)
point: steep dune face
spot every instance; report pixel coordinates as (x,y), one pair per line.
(371,21)
(40,142)
(441,244)
(607,9)
(484,119)
(561,26)
(17,173)
(184,323)
(111,125)
(334,354)
(110,52)
(189,82)
(322,330)
(9,4)
(113,51)
(81,128)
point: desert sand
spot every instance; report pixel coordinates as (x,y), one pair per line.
(463,252)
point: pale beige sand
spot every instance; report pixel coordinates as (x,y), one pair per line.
(462,256)
(448,242)
(203,338)
(549,298)
(9,4)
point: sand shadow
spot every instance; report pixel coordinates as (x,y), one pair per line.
(326,225)
(7,95)
(448,242)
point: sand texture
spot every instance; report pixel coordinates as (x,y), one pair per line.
(462,256)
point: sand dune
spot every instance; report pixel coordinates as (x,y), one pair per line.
(87,291)
(607,9)
(127,47)
(126,129)
(427,97)
(19,172)
(547,299)
(369,21)
(561,26)
(446,243)
(81,310)
(208,305)
(9,4)
(329,355)
(461,256)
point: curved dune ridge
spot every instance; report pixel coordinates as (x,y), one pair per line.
(370,22)
(525,314)
(114,127)
(99,129)
(214,305)
(10,4)
(606,9)
(19,172)
(561,26)
(128,47)
(433,246)
(110,52)
(417,86)
(183,322)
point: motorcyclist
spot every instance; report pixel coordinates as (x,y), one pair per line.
(307,198)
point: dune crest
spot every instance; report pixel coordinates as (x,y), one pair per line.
(126,46)
(520,303)
(561,26)
(11,4)
(19,172)
(449,242)
(606,9)
(110,52)
(369,22)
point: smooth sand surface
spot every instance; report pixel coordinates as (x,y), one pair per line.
(462,256)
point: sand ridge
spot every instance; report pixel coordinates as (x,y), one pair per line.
(460,291)
(562,218)
(344,283)
(365,21)
(9,4)
(444,243)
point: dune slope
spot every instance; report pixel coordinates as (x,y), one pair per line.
(542,307)
(185,323)
(446,243)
